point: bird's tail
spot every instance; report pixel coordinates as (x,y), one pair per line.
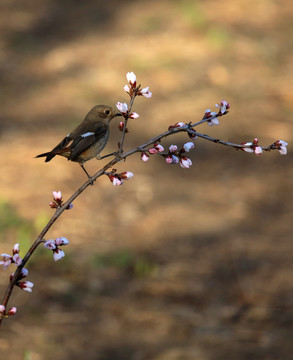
(49,156)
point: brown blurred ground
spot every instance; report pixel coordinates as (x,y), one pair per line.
(176,264)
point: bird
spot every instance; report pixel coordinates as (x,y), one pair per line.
(87,140)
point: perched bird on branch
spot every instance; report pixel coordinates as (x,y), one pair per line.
(88,139)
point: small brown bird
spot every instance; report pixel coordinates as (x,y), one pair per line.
(88,139)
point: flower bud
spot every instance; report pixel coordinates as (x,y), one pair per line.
(144,157)
(173,148)
(12,311)
(126,175)
(58,254)
(188,146)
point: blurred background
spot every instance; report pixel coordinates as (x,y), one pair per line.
(176,264)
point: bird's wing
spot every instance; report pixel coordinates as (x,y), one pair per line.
(85,141)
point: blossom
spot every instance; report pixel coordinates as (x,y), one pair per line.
(58,254)
(6,261)
(144,157)
(169,159)
(50,244)
(188,146)
(282,146)
(145,92)
(173,148)
(131,78)
(25,285)
(57,196)
(179,124)
(247,149)
(122,107)
(175,159)
(116,181)
(211,117)
(2,309)
(12,311)
(17,260)
(153,151)
(61,241)
(126,88)
(258,150)
(126,175)
(134,115)
(223,107)
(185,162)
(159,147)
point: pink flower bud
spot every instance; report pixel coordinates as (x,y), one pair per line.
(159,147)
(144,157)
(12,311)
(121,126)
(173,148)
(117,182)
(188,146)
(247,149)
(58,254)
(126,89)
(282,146)
(15,249)
(126,175)
(26,285)
(134,115)
(24,273)
(223,106)
(122,107)
(53,205)
(57,196)
(258,150)
(17,260)
(153,151)
(6,261)
(145,92)
(50,244)
(2,309)
(185,162)
(169,159)
(61,241)
(131,78)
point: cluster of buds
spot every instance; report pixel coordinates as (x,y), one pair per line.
(211,117)
(123,108)
(157,148)
(252,147)
(281,146)
(7,313)
(118,179)
(24,285)
(133,90)
(176,156)
(54,246)
(14,259)
(57,201)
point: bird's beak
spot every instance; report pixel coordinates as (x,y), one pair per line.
(118,114)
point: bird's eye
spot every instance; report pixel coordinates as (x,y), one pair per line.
(107,112)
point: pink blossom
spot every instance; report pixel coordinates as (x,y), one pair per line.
(6,261)
(116,181)
(144,157)
(57,196)
(153,151)
(185,162)
(247,149)
(58,254)
(146,92)
(61,241)
(26,285)
(173,148)
(122,107)
(50,244)
(134,115)
(159,147)
(2,309)
(131,78)
(188,146)
(126,89)
(12,311)
(15,249)
(169,159)
(223,106)
(17,260)
(258,150)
